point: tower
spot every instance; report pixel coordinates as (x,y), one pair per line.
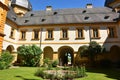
(20,7)
(115,4)
(3,12)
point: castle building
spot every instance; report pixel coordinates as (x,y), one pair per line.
(3,13)
(60,32)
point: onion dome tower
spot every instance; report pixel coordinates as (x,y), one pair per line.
(21,6)
(114,4)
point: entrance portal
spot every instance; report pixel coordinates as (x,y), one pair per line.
(66,56)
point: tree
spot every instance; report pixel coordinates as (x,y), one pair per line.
(91,51)
(30,55)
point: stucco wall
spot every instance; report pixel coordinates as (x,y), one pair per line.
(57,43)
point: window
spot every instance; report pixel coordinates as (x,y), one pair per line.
(36,34)
(64,34)
(111,32)
(95,33)
(106,17)
(49,34)
(79,34)
(12,33)
(86,18)
(23,35)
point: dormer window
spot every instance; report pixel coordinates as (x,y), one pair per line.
(84,11)
(32,15)
(26,21)
(55,13)
(14,18)
(42,20)
(86,18)
(106,17)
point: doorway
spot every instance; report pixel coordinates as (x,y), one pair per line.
(66,56)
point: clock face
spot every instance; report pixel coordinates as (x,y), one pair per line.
(23,3)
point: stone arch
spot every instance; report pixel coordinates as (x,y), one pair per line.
(10,48)
(48,52)
(115,53)
(64,53)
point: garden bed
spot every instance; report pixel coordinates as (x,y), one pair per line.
(61,74)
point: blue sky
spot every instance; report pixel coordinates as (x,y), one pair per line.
(60,4)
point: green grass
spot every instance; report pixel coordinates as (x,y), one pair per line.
(102,74)
(22,73)
(27,73)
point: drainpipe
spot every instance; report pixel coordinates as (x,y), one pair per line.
(40,37)
(90,33)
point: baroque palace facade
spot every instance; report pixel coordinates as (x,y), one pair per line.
(62,31)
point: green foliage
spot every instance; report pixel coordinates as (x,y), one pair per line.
(40,72)
(60,74)
(5,60)
(49,64)
(46,62)
(30,55)
(83,50)
(55,63)
(91,51)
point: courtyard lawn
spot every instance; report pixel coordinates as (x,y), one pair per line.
(102,74)
(27,73)
(22,73)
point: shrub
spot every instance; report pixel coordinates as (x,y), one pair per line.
(5,60)
(46,62)
(30,55)
(40,72)
(74,72)
(55,63)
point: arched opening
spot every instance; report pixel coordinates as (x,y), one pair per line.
(115,53)
(10,48)
(19,58)
(48,53)
(66,56)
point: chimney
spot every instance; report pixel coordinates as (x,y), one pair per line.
(49,8)
(89,6)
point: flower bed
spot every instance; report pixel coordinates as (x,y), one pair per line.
(62,74)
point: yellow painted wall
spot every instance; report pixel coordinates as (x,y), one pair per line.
(3,12)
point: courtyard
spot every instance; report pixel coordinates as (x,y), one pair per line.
(27,73)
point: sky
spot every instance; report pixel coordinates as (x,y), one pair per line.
(61,4)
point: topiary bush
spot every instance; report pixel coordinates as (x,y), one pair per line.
(5,60)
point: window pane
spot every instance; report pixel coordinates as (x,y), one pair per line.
(111,32)
(23,35)
(50,34)
(64,33)
(80,33)
(12,32)
(36,34)
(95,33)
